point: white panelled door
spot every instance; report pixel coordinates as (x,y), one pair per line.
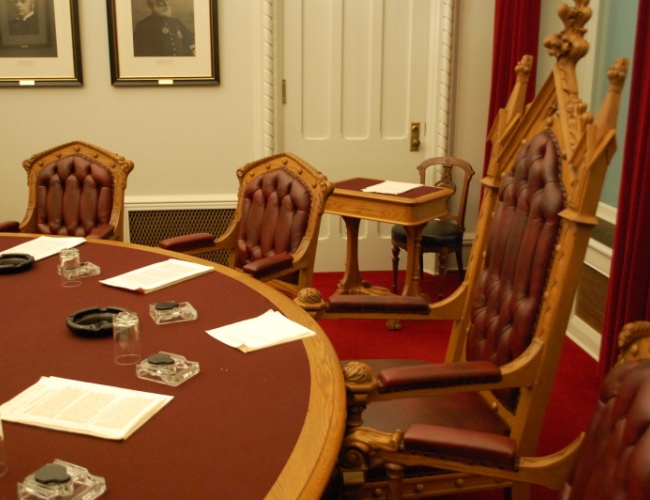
(357,75)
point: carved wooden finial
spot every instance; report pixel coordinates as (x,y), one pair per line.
(634,341)
(570,42)
(616,74)
(310,295)
(523,68)
(357,371)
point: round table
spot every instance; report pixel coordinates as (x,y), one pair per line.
(265,424)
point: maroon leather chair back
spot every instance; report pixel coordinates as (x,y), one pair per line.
(275,212)
(74,196)
(508,294)
(614,461)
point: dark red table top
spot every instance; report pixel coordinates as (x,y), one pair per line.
(228,432)
(359,183)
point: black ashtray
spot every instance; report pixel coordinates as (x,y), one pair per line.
(94,321)
(11,263)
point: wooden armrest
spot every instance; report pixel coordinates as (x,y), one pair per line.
(432,375)
(263,267)
(378,303)
(187,242)
(102,232)
(9,227)
(451,443)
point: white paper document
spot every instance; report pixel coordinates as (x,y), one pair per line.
(266,330)
(83,408)
(391,187)
(156,276)
(45,246)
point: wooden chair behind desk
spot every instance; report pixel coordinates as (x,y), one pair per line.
(487,400)
(75,189)
(445,234)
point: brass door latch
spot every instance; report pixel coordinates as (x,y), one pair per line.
(415,136)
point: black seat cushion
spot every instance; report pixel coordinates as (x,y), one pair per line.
(436,233)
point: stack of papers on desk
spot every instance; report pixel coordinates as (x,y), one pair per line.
(391,187)
(269,329)
(83,408)
(44,246)
(156,276)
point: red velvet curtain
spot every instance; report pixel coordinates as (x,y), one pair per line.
(516,34)
(629,283)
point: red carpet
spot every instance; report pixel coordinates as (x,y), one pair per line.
(574,394)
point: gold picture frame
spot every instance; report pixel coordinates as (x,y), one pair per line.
(163,42)
(39,43)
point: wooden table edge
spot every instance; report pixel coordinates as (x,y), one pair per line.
(312,460)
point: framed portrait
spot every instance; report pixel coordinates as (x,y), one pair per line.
(39,43)
(163,42)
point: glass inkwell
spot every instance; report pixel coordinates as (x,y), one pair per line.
(167,368)
(71,269)
(172,312)
(61,480)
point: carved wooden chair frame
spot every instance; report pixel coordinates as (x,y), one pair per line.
(115,164)
(298,272)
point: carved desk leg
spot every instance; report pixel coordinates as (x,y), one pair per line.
(352,282)
(352,277)
(413,271)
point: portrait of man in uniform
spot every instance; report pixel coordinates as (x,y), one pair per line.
(161,34)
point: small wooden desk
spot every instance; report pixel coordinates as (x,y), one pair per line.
(412,209)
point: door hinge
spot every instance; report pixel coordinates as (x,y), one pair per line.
(284,91)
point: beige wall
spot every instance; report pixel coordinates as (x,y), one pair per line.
(186,142)
(472,100)
(183,140)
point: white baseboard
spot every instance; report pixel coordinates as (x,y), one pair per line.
(584,336)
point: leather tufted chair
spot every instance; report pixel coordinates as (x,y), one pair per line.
(75,189)
(505,306)
(610,460)
(274,233)
(614,459)
(420,430)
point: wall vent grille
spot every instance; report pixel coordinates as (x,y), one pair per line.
(591,297)
(148,227)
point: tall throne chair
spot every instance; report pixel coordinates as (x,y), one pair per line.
(418,430)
